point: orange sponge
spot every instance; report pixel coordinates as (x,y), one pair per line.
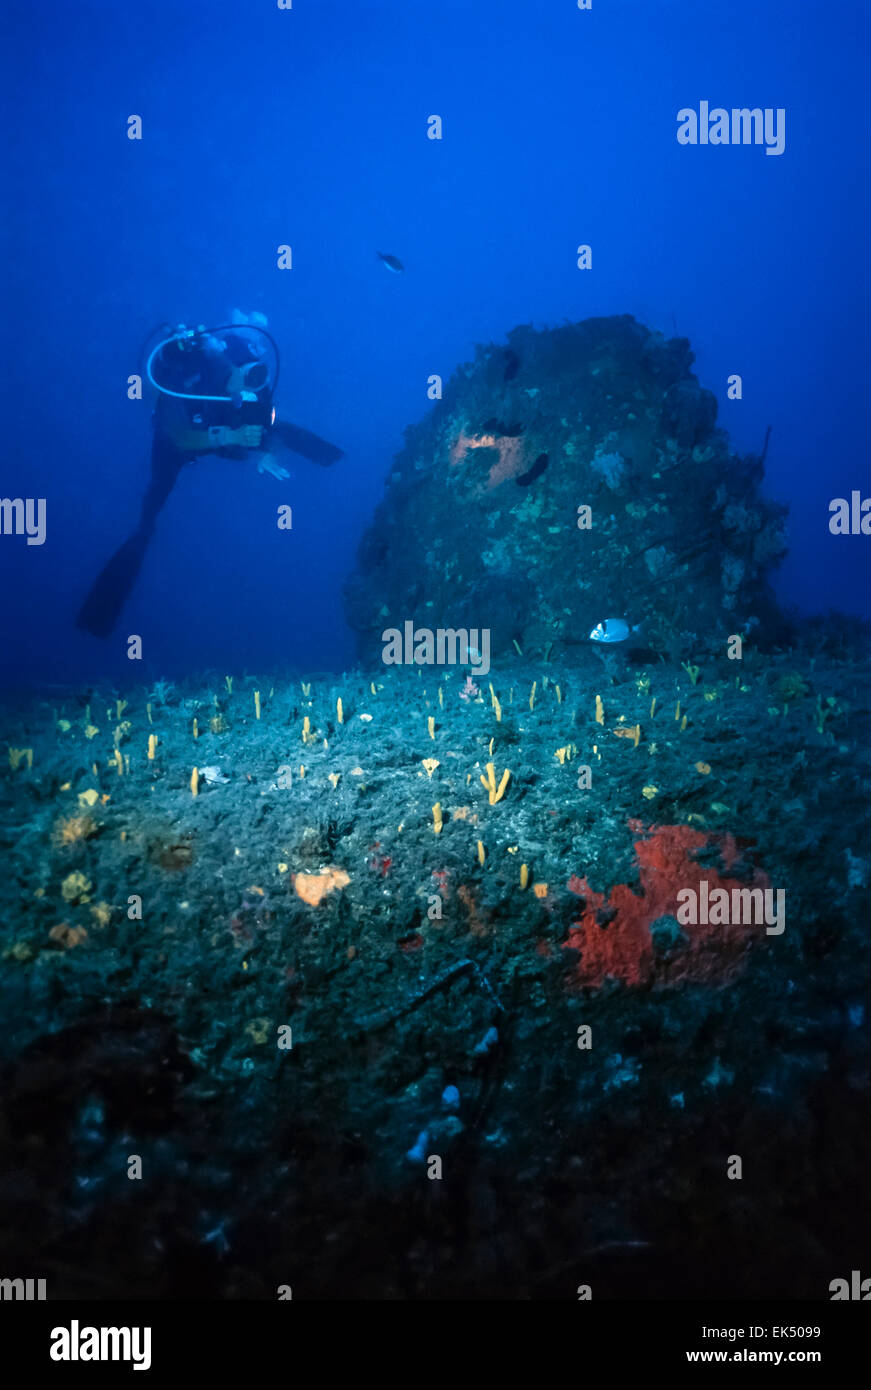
(313,888)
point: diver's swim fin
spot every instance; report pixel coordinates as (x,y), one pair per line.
(311,446)
(102,608)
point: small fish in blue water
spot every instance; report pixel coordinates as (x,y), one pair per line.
(612,630)
(391,262)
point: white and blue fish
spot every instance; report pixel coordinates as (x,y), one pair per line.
(613,630)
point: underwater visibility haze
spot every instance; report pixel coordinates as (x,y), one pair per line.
(434,649)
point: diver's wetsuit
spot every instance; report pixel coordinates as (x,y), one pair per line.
(173,419)
(113,586)
(179,425)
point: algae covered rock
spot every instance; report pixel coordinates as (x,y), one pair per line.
(577,474)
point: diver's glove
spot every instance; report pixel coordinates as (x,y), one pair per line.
(266,464)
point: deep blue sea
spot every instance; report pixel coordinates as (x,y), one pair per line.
(307,127)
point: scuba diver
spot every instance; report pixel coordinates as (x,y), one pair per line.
(215,390)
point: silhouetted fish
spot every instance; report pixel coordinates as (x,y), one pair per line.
(534,472)
(391,262)
(512,365)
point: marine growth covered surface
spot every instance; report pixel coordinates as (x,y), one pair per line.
(432,980)
(575,474)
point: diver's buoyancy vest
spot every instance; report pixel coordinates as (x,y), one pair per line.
(173,416)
